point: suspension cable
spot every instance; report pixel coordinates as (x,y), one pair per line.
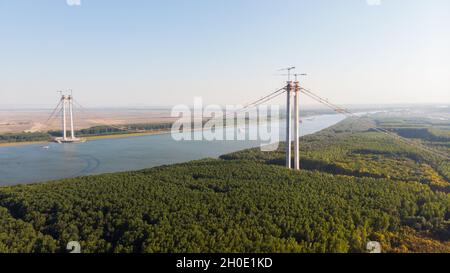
(380,130)
(52,115)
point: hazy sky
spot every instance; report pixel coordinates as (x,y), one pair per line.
(165,52)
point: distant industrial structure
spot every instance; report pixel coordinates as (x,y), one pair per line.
(67,102)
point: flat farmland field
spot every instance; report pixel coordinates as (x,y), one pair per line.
(16,121)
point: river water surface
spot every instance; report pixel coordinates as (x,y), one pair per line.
(33,163)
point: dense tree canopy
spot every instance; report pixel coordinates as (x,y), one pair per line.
(354,187)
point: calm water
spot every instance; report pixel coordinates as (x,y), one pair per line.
(33,163)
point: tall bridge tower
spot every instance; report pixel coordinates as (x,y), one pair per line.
(293,87)
(67,102)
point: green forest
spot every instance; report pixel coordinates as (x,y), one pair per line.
(24,137)
(356,185)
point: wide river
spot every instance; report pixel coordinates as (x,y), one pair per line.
(34,163)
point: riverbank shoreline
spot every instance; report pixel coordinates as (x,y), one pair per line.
(25,143)
(113,136)
(99,137)
(89,138)
(103,154)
